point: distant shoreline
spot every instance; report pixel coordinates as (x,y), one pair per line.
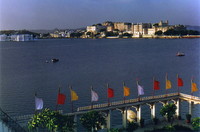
(141,37)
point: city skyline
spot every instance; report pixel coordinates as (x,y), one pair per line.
(71,14)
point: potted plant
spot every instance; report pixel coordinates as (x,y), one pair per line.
(188,117)
(155,120)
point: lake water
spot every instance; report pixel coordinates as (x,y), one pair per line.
(86,62)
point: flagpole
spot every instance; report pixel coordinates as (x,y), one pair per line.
(153,86)
(91,97)
(177,84)
(191,87)
(107,95)
(70,87)
(138,94)
(166,84)
(123,90)
(35,105)
(57,99)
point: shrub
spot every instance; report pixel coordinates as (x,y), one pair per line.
(114,130)
(196,123)
(142,122)
(155,120)
(131,126)
(188,117)
(169,128)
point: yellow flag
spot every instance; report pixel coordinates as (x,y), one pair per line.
(74,96)
(194,87)
(168,84)
(126,91)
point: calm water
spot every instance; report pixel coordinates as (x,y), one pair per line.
(86,62)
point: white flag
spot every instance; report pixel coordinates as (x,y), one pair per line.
(38,103)
(140,90)
(94,96)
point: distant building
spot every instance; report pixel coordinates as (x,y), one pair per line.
(55,35)
(21,37)
(95,29)
(110,28)
(3,37)
(119,26)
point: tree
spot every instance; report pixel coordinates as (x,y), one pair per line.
(92,120)
(51,120)
(127,34)
(170,32)
(159,32)
(169,111)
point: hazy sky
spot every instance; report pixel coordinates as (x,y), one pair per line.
(50,14)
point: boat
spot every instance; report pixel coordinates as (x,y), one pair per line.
(180,54)
(54,60)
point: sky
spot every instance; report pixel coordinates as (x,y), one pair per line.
(71,14)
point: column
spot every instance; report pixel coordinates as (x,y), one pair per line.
(191,105)
(178,110)
(108,119)
(75,120)
(138,113)
(153,110)
(124,117)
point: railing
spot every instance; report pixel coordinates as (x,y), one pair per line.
(149,98)
(190,97)
(10,123)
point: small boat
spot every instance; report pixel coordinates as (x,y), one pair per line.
(180,54)
(54,60)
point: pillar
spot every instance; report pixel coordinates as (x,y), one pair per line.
(75,120)
(108,119)
(178,106)
(191,105)
(138,109)
(124,117)
(153,110)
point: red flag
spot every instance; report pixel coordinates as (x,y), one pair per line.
(110,93)
(61,98)
(180,82)
(156,85)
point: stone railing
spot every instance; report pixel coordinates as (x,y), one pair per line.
(10,123)
(116,103)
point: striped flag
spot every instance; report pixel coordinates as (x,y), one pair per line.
(156,85)
(140,90)
(193,87)
(61,98)
(94,96)
(180,82)
(126,91)
(38,103)
(74,95)
(168,84)
(110,93)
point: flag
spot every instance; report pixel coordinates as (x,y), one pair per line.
(194,87)
(110,93)
(61,98)
(94,96)
(126,91)
(38,103)
(74,96)
(140,90)
(156,85)
(180,82)
(168,84)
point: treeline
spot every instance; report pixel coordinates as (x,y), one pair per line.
(178,32)
(13,32)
